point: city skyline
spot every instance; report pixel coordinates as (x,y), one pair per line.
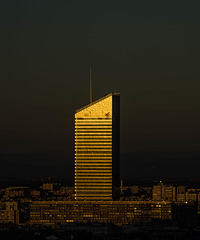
(147,52)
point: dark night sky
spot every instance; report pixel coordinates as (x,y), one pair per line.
(147,50)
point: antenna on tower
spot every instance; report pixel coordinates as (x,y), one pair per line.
(91,94)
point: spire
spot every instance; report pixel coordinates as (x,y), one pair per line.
(91,94)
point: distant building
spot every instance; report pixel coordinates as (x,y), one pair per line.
(97,149)
(169,193)
(9,212)
(163,192)
(191,197)
(134,189)
(180,194)
(48,186)
(116,212)
(157,192)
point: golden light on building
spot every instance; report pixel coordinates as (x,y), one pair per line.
(97,148)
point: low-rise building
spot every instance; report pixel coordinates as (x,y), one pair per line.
(116,212)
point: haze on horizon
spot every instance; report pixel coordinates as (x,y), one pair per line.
(146,50)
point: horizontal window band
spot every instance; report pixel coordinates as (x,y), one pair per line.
(103,118)
(94,147)
(109,133)
(98,152)
(93,137)
(93,166)
(92,119)
(100,146)
(86,169)
(87,163)
(95,140)
(92,128)
(84,148)
(80,133)
(93,157)
(93,163)
(85,156)
(94,150)
(93,132)
(95,122)
(85,117)
(93,153)
(93,125)
(100,129)
(93,144)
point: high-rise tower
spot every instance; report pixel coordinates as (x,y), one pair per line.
(97,149)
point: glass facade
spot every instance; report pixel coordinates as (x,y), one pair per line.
(97,149)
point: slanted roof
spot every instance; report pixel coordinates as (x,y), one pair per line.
(98,100)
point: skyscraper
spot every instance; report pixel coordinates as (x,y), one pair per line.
(97,149)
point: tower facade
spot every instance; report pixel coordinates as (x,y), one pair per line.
(97,149)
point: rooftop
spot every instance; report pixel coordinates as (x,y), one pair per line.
(98,100)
